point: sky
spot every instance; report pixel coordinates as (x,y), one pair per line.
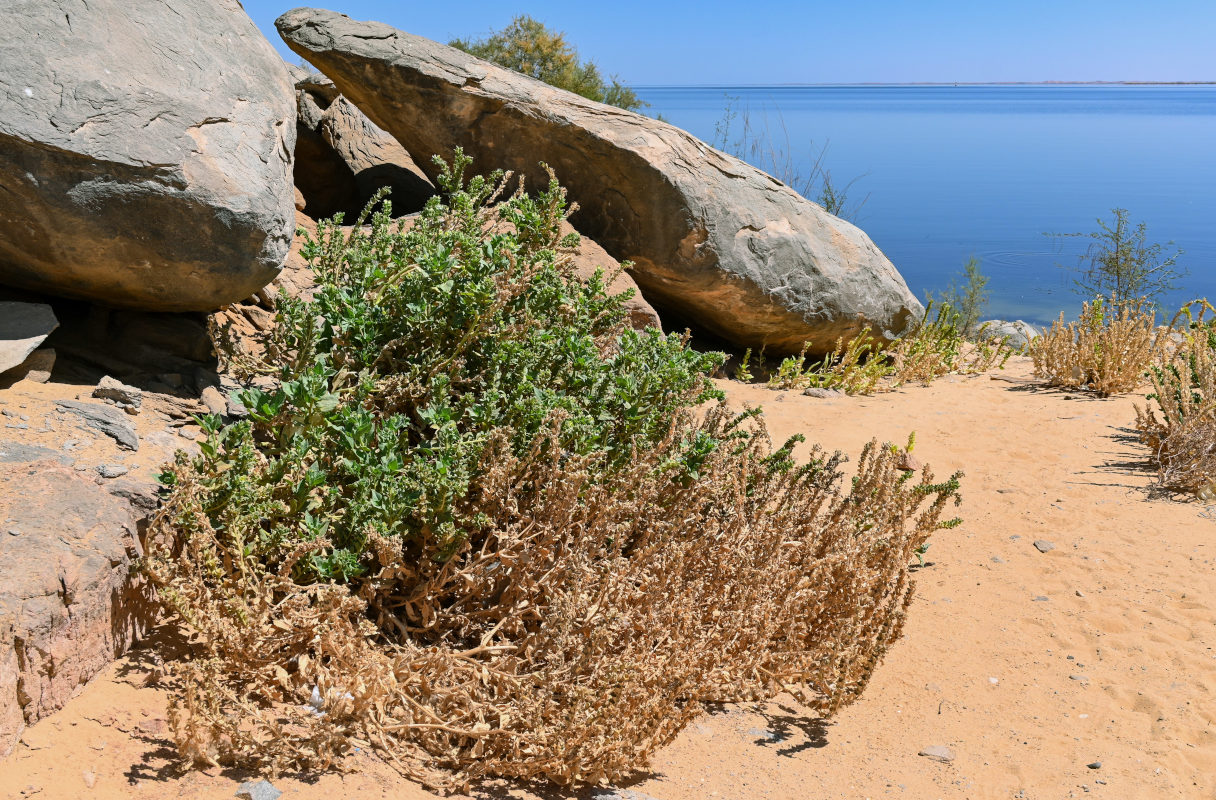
(649,43)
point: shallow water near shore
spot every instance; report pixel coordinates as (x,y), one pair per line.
(955,171)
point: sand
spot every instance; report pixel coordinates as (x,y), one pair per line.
(1029,666)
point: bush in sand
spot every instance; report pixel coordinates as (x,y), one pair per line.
(486,530)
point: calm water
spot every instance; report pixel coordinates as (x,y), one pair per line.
(987,170)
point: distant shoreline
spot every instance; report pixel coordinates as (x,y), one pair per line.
(914,84)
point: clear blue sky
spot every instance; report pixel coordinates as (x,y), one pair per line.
(766,41)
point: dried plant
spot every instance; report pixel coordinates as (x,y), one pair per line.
(1183,438)
(485,530)
(938,347)
(1108,350)
(855,367)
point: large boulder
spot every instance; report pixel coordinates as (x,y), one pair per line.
(70,599)
(714,239)
(145,152)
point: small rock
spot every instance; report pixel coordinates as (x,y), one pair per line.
(908,462)
(938,753)
(111,389)
(762,733)
(1041,598)
(998,560)
(23,326)
(257,790)
(823,394)
(112,470)
(1080,593)
(90,778)
(1094,765)
(1080,678)
(215,401)
(1043,546)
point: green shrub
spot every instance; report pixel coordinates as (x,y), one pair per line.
(968,298)
(1121,264)
(482,526)
(529,47)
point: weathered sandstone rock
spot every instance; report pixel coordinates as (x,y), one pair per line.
(715,239)
(23,326)
(68,602)
(145,152)
(343,158)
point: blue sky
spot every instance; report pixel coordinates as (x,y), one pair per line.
(765,41)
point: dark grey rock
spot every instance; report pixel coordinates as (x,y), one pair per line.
(110,421)
(23,326)
(823,393)
(1043,546)
(147,165)
(938,753)
(731,249)
(18,453)
(1094,765)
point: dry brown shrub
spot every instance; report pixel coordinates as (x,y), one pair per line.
(1107,350)
(1181,431)
(580,630)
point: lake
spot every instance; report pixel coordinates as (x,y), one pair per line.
(955,171)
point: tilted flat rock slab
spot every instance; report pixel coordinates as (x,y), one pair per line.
(722,243)
(23,326)
(145,152)
(69,603)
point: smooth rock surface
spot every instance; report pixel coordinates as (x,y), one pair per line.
(69,603)
(23,326)
(147,165)
(1018,333)
(108,420)
(728,247)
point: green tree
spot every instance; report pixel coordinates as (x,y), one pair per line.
(1120,262)
(529,47)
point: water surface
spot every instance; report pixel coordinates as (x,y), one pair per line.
(952,171)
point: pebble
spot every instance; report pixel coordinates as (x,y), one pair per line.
(112,470)
(938,753)
(1041,598)
(1043,546)
(1081,678)
(1094,765)
(998,560)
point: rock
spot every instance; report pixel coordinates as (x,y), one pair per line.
(215,401)
(23,326)
(823,394)
(938,753)
(37,368)
(70,600)
(110,471)
(1043,546)
(1017,333)
(1094,765)
(110,421)
(18,453)
(120,393)
(374,159)
(589,257)
(257,790)
(149,164)
(908,462)
(712,238)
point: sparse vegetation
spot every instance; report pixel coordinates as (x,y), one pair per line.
(855,367)
(937,347)
(477,524)
(766,148)
(1181,431)
(529,47)
(1108,350)
(1122,265)
(968,297)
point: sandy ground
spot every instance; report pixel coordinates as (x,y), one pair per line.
(1029,666)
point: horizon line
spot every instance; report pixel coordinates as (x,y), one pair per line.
(921,83)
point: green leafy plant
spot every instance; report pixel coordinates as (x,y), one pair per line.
(477,523)
(529,47)
(855,367)
(937,346)
(1122,265)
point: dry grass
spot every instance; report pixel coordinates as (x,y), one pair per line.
(1108,350)
(577,632)
(1181,432)
(939,347)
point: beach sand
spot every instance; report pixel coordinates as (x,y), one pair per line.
(1029,666)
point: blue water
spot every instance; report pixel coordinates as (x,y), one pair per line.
(954,171)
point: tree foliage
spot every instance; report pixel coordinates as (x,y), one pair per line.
(1123,265)
(528,46)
